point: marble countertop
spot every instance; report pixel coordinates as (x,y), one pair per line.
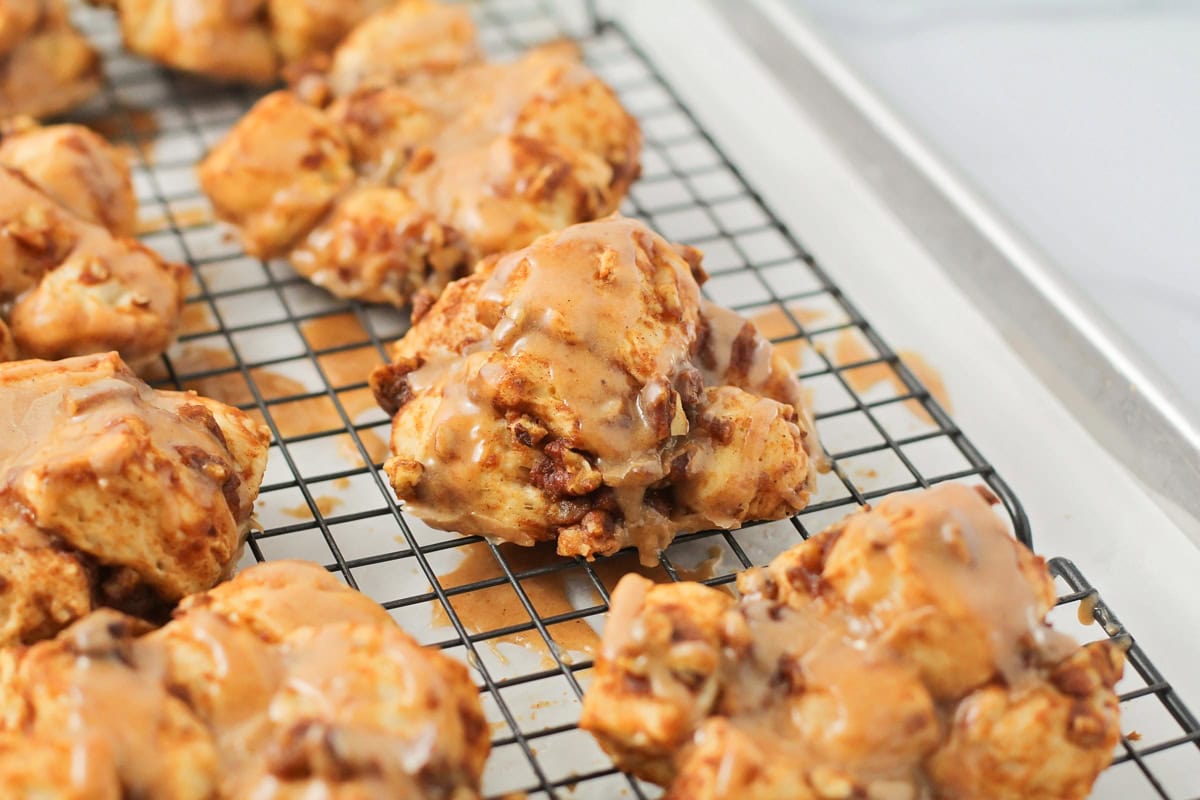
(1079,120)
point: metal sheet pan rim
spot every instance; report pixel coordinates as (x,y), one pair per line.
(1074,349)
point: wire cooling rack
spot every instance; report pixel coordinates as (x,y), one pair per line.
(1159,753)
(258,336)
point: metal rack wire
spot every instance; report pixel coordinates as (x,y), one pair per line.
(252,338)
(1159,754)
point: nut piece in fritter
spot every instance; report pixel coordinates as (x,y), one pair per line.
(46,66)
(72,288)
(75,167)
(902,653)
(114,493)
(331,701)
(422,152)
(580,389)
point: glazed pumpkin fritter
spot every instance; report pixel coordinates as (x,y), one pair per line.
(581,390)
(115,494)
(903,653)
(282,683)
(236,40)
(395,171)
(71,281)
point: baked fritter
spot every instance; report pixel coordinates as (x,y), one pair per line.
(67,286)
(277,173)
(903,653)
(410,38)
(302,28)
(114,493)
(323,696)
(46,66)
(423,162)
(236,40)
(76,167)
(378,245)
(580,389)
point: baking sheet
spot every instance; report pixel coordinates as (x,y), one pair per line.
(257,333)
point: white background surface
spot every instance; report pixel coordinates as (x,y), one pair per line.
(1078,119)
(1081,502)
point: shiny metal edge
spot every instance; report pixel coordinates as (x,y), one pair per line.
(1123,402)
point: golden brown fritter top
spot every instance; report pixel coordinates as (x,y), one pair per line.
(18,18)
(406,39)
(238,40)
(67,286)
(339,703)
(277,172)
(423,162)
(76,167)
(902,653)
(46,66)
(112,493)
(581,389)
(302,28)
